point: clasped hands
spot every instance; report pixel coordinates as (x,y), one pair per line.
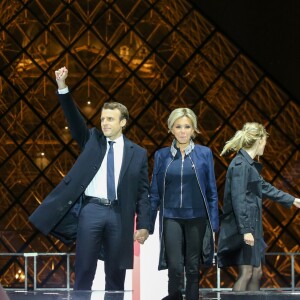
(141,235)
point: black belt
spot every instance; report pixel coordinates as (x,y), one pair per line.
(100,201)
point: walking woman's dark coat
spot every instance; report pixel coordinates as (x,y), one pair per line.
(242,211)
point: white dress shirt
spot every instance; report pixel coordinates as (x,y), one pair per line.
(63,91)
(98,186)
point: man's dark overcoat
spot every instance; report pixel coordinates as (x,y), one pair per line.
(58,213)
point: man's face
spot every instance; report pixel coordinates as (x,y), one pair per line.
(111,124)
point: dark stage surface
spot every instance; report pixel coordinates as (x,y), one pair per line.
(129,295)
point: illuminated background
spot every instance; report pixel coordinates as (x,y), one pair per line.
(153,56)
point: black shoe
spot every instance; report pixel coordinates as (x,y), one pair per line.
(174,296)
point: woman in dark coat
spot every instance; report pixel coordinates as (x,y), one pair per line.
(241,232)
(184,190)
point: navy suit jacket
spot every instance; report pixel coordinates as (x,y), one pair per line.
(58,213)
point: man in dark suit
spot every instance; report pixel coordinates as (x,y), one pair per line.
(97,200)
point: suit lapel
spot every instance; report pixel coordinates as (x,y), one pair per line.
(127,156)
(103,145)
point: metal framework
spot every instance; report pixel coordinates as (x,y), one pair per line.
(35,261)
(153,56)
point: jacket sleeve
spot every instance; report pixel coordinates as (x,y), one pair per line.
(269,191)
(76,122)
(239,181)
(212,194)
(154,195)
(143,205)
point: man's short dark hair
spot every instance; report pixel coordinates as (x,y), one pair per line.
(116,105)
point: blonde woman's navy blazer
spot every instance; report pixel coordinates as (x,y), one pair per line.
(204,169)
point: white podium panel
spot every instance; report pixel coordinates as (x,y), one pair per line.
(146,282)
(154,283)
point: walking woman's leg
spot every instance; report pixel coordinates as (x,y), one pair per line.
(244,277)
(254,284)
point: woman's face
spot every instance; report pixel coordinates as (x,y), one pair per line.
(261,146)
(183,131)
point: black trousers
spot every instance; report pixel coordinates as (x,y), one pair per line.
(98,226)
(183,241)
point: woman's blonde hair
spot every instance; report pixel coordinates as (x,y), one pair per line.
(182,112)
(245,138)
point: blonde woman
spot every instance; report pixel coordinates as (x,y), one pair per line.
(241,233)
(183,188)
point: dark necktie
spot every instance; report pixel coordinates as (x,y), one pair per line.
(111,190)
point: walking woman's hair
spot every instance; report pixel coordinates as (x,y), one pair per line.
(245,138)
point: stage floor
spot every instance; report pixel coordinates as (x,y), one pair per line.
(129,295)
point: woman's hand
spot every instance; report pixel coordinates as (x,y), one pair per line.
(249,239)
(297,202)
